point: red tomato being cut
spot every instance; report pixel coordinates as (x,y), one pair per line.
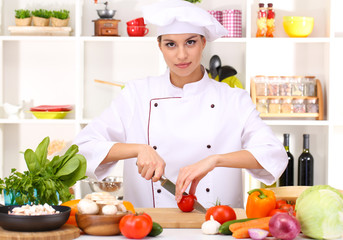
(187,202)
(135,225)
(221,213)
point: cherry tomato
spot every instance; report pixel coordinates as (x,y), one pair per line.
(135,225)
(221,213)
(275,211)
(287,207)
(279,203)
(186,203)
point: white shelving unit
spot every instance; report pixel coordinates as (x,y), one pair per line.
(61,70)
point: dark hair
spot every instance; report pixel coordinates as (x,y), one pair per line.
(159,38)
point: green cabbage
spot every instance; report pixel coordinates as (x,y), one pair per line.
(319,210)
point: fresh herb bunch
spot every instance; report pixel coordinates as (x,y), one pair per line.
(61,14)
(43,13)
(22,13)
(45,178)
(193,1)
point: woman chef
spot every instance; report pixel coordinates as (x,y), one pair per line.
(197,132)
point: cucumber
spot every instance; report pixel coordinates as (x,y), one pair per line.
(224,228)
(156,230)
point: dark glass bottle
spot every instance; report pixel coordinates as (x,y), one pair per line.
(287,177)
(305,164)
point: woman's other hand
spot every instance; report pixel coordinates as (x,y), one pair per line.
(150,164)
(192,174)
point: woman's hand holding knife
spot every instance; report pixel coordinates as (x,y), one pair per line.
(150,164)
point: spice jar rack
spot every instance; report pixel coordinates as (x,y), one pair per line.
(275,101)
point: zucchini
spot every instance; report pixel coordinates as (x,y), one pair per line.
(224,228)
(156,230)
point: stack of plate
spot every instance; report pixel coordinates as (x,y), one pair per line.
(51,111)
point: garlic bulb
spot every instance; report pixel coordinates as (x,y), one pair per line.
(210,227)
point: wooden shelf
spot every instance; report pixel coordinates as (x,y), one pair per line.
(318,116)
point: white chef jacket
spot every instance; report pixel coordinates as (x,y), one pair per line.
(184,125)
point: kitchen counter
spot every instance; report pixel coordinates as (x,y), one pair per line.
(179,234)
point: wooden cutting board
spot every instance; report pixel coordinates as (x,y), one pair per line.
(175,218)
(66,232)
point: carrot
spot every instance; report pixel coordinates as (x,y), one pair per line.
(243,232)
(251,224)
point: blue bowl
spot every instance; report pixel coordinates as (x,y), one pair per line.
(9,198)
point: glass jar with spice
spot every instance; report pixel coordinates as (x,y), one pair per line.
(297,86)
(262,105)
(273,86)
(285,87)
(286,105)
(299,105)
(274,106)
(310,86)
(312,105)
(260,85)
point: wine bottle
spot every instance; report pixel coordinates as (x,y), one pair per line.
(305,164)
(287,177)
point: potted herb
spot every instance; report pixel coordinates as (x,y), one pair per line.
(41,17)
(23,17)
(45,181)
(60,18)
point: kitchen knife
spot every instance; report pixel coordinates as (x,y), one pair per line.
(170,187)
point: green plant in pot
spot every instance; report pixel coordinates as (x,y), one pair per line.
(60,18)
(23,17)
(41,17)
(45,181)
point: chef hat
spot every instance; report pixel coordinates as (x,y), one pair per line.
(180,16)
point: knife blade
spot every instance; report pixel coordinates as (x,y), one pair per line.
(170,187)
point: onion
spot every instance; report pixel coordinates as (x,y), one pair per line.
(257,234)
(284,226)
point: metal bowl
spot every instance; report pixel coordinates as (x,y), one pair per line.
(111,184)
(33,223)
(106,13)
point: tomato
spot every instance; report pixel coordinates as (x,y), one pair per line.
(275,211)
(221,213)
(187,202)
(287,207)
(135,225)
(279,203)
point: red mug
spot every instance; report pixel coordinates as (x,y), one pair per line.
(136,22)
(137,31)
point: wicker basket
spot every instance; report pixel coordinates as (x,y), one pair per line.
(23,21)
(41,22)
(55,22)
